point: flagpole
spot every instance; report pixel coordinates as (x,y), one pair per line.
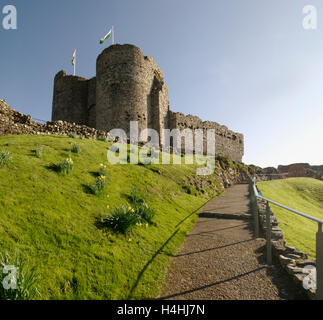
(75,63)
(112,34)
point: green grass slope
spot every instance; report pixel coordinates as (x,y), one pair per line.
(50,219)
(303,194)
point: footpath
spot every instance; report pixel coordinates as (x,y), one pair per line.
(221,259)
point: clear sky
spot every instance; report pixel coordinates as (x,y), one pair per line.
(249,65)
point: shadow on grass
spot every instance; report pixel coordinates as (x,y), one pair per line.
(95,174)
(125,196)
(129,198)
(53,167)
(87,189)
(195,211)
(32,153)
(100,225)
(7,144)
(149,262)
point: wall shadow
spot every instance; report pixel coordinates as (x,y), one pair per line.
(149,262)
(211,284)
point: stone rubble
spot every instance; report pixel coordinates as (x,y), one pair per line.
(291,260)
(15,123)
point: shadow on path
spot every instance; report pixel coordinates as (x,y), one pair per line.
(215,230)
(213,284)
(211,249)
(236,272)
(196,211)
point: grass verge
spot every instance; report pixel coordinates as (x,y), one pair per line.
(51,219)
(303,194)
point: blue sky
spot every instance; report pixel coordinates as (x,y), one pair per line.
(248,64)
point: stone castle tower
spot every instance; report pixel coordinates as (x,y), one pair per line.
(130,87)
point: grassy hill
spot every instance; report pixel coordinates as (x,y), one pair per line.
(50,219)
(303,194)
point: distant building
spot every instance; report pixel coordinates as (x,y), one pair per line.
(295,170)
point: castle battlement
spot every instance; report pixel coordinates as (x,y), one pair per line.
(130,86)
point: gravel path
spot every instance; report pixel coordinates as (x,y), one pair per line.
(221,260)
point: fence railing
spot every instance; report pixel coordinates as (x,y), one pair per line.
(319,235)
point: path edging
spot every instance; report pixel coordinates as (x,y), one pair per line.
(291,260)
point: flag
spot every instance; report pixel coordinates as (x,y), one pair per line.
(74,57)
(106,37)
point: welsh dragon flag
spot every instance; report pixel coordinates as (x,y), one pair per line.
(74,57)
(106,37)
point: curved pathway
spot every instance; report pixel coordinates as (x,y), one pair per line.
(221,260)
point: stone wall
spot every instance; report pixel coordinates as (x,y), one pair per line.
(91,103)
(227,142)
(70,101)
(16,123)
(302,170)
(292,260)
(130,87)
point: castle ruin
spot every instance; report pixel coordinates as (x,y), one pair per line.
(130,87)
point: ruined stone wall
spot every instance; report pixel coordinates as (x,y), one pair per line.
(302,170)
(15,123)
(91,103)
(163,111)
(130,87)
(227,142)
(70,99)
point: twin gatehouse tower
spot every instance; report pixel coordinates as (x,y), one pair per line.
(130,87)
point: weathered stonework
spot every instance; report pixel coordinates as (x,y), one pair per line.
(227,142)
(15,123)
(302,170)
(70,102)
(291,260)
(130,87)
